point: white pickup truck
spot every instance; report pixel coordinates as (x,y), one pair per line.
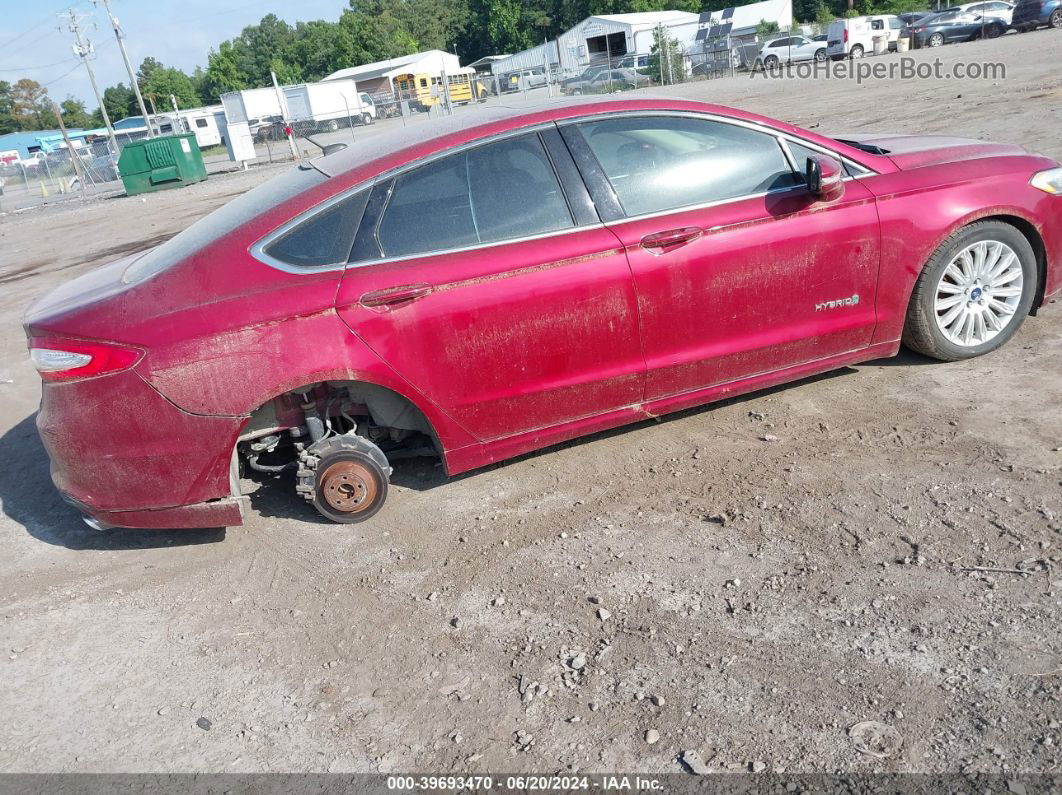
(854,38)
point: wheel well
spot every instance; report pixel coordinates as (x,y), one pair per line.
(1033,236)
(385,408)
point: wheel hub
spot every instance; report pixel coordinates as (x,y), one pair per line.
(978,293)
(348,486)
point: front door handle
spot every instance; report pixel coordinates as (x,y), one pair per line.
(396,295)
(663,242)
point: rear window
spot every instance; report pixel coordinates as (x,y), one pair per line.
(211,227)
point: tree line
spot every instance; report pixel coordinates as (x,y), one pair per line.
(367,31)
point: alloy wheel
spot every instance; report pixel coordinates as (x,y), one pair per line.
(978,293)
(936,40)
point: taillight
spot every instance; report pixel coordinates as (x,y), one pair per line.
(68,359)
(846,35)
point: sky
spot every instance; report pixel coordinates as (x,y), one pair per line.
(176,32)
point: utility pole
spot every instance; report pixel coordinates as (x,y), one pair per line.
(83,49)
(75,160)
(118,34)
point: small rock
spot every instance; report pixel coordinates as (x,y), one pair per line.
(693,762)
(652,737)
(499,601)
(457,738)
(204,724)
(757,766)
(603,614)
(433,596)
(768,437)
(455,622)
(594,600)
(578,662)
(876,739)
(657,700)
(162,710)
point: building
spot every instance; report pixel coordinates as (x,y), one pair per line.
(599,38)
(740,22)
(20,145)
(615,36)
(482,66)
(728,38)
(380,77)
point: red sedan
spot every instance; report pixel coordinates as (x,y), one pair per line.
(502,281)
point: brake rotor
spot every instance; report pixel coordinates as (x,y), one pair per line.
(348,486)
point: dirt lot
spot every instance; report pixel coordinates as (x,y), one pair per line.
(747,599)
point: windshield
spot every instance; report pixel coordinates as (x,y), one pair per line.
(236,213)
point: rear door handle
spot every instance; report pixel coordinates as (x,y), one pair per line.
(396,295)
(662,242)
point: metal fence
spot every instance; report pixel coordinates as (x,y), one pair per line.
(44,176)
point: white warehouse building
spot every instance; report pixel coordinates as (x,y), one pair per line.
(598,38)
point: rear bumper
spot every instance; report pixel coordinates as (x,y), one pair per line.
(227,512)
(126,456)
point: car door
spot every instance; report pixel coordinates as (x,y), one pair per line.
(802,49)
(738,269)
(495,292)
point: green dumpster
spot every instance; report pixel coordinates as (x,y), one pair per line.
(159,163)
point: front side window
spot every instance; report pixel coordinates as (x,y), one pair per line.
(495,192)
(662,163)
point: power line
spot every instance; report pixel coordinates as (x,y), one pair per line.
(64,74)
(34,68)
(33,27)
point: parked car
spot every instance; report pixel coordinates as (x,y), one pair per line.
(641,61)
(524,80)
(909,17)
(993,8)
(1029,14)
(951,26)
(790,49)
(854,38)
(598,79)
(517,279)
(821,37)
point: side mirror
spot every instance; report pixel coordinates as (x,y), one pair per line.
(825,178)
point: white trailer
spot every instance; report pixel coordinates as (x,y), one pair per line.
(329,105)
(256,107)
(201,121)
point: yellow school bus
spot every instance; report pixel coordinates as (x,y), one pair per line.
(427,90)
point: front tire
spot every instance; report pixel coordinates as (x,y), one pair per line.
(1055,20)
(857,51)
(771,62)
(820,55)
(973,294)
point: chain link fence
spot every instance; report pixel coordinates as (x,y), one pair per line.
(44,176)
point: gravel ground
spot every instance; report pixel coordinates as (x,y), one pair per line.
(674,586)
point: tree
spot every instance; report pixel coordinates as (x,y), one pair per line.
(7,121)
(765,28)
(666,64)
(75,115)
(223,70)
(119,101)
(30,107)
(165,82)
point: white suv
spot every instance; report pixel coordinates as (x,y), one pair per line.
(790,49)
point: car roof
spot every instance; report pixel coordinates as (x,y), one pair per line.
(422,136)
